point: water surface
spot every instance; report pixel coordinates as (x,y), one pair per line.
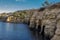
(10,31)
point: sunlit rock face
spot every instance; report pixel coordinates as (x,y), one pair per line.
(49,20)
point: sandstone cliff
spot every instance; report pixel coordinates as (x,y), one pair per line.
(48,21)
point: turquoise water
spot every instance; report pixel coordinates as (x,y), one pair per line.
(10,31)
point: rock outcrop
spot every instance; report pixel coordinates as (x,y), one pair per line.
(48,20)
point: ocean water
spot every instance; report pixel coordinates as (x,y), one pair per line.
(11,31)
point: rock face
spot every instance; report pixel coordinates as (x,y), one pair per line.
(47,21)
(13,19)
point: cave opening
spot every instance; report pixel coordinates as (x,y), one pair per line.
(44,37)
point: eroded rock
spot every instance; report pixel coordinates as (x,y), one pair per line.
(50,25)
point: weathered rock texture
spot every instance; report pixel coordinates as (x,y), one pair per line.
(47,20)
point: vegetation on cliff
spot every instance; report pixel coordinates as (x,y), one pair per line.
(22,16)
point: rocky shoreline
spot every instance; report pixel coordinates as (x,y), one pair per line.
(45,21)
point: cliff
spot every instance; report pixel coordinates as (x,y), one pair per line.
(47,22)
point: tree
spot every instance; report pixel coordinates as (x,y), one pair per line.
(46,3)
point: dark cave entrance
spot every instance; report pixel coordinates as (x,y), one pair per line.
(44,37)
